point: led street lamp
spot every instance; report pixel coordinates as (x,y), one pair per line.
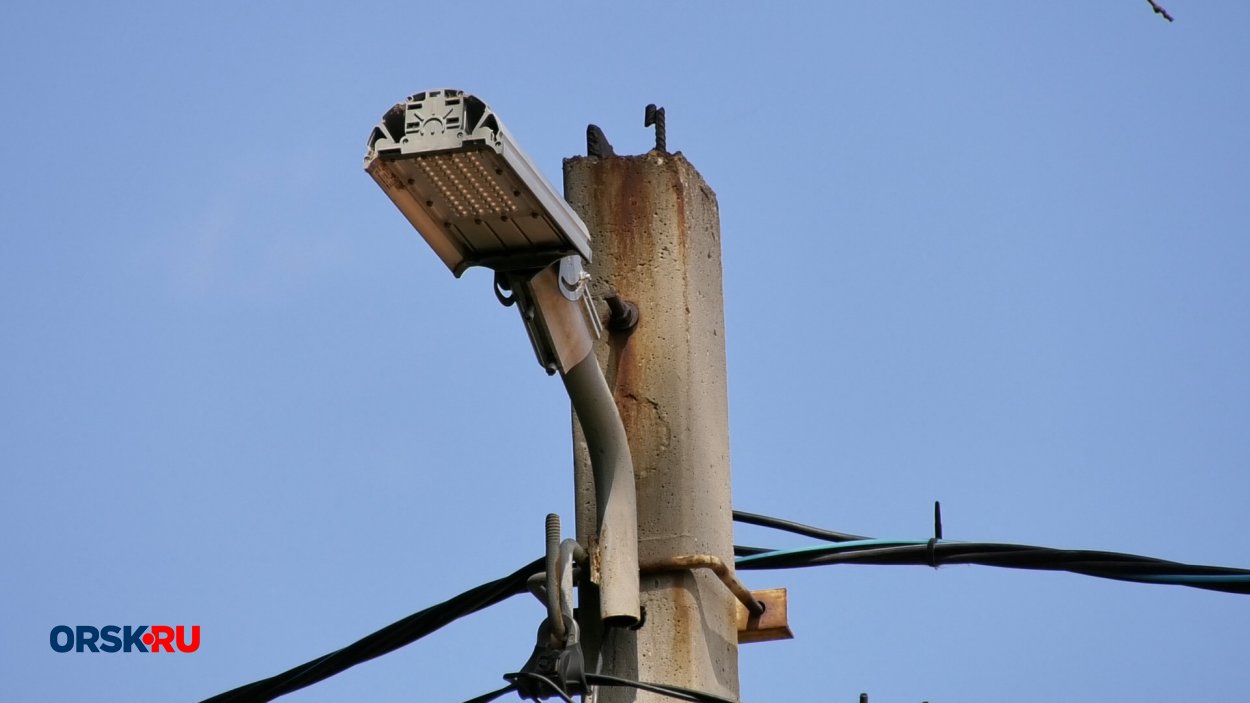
(449,165)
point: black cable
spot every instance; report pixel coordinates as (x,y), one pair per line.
(564,696)
(1109,565)
(385,640)
(488,697)
(677,692)
(795,527)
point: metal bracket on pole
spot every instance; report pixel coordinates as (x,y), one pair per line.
(762,615)
(551,301)
(773,624)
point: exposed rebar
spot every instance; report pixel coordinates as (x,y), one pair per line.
(655,116)
(597,144)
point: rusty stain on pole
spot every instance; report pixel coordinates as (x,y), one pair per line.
(655,232)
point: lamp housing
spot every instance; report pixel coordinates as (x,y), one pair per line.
(449,165)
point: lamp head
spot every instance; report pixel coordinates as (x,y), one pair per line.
(448,164)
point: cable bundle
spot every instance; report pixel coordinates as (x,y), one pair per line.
(838,548)
(935,552)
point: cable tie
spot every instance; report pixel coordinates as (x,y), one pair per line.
(937,533)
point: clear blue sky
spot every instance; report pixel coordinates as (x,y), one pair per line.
(994,254)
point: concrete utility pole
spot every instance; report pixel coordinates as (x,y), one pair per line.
(656,236)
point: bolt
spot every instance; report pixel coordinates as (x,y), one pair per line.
(623,315)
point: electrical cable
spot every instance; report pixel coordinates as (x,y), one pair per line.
(385,640)
(564,696)
(934,552)
(488,697)
(839,548)
(677,692)
(797,528)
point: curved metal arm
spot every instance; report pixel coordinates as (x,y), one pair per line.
(613,468)
(555,318)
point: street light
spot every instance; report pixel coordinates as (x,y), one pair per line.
(449,165)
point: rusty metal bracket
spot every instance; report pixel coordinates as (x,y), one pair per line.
(772,625)
(718,567)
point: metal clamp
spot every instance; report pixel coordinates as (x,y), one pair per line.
(551,670)
(557,311)
(554,587)
(557,666)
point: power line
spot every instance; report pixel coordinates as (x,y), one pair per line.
(838,548)
(677,692)
(488,697)
(797,528)
(384,641)
(684,694)
(934,552)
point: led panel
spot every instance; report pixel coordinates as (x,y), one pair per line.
(467,188)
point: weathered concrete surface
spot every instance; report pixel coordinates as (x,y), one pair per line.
(655,229)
